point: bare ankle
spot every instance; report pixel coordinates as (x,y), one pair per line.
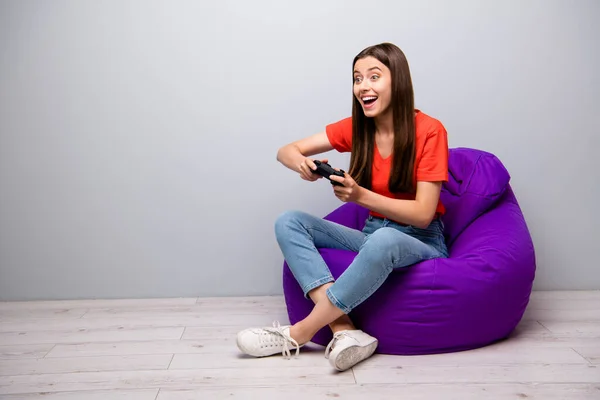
(341,324)
(342,327)
(319,293)
(299,334)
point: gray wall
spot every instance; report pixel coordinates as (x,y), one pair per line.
(138,138)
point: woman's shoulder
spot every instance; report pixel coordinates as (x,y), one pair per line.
(343,124)
(427,125)
(340,134)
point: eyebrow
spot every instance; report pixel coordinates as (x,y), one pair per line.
(370,69)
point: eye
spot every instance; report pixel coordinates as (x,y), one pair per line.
(375,77)
(356,79)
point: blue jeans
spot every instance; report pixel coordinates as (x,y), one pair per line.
(382,246)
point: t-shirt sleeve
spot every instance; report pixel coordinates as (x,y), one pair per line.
(340,135)
(433,165)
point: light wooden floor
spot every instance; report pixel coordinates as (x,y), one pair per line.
(183,349)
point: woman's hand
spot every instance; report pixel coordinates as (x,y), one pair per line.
(306,169)
(350,191)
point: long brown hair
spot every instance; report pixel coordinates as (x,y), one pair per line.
(403,116)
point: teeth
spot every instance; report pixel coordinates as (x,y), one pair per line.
(369,98)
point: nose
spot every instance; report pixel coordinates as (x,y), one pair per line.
(364,86)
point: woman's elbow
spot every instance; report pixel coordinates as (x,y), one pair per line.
(424,220)
(281,152)
(278,157)
(421,223)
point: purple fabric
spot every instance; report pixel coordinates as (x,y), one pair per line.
(476,181)
(475,297)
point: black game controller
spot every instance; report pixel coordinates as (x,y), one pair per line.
(325,170)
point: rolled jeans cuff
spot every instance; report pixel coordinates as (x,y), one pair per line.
(316,284)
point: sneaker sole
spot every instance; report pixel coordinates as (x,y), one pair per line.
(351,356)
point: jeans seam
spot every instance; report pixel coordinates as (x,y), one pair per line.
(420,257)
(382,278)
(439,252)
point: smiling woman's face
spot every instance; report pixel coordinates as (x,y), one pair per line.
(372,86)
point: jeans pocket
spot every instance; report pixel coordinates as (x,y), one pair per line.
(432,231)
(371,225)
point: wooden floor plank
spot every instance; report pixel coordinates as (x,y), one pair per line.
(309,356)
(133,347)
(573,328)
(491,355)
(24,351)
(479,373)
(144,320)
(550,340)
(554,295)
(40,313)
(392,392)
(210,332)
(85,335)
(84,364)
(140,394)
(173,379)
(550,303)
(562,315)
(197,317)
(590,352)
(528,328)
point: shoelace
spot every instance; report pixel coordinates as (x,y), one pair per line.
(276,335)
(336,337)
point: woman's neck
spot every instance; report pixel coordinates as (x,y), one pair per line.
(385,124)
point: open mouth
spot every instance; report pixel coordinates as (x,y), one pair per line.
(368,101)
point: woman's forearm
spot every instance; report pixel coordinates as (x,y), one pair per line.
(291,157)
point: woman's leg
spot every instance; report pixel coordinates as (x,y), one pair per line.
(386,249)
(342,323)
(299,234)
(324,313)
(379,253)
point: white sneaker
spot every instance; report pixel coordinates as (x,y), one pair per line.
(262,342)
(349,347)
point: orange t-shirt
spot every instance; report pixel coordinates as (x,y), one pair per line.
(431,155)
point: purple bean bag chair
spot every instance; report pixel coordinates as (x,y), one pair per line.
(473,298)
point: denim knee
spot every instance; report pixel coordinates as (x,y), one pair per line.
(384,238)
(387,242)
(397,248)
(285,220)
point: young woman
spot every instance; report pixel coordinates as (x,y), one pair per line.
(399,159)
